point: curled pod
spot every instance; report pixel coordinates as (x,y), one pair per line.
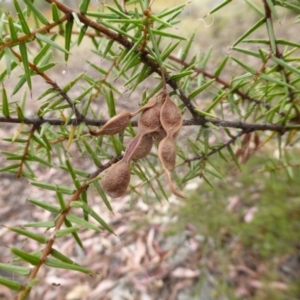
(143,148)
(167,153)
(116,179)
(115,125)
(150,119)
(170,116)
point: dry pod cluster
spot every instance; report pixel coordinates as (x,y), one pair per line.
(160,121)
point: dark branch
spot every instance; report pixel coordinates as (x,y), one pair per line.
(191,122)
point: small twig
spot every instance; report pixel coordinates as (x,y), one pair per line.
(191,122)
(26,152)
(32,34)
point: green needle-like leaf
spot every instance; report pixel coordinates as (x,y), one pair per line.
(56,254)
(249,31)
(31,258)
(12,29)
(13,285)
(37,237)
(68,37)
(23,271)
(21,17)
(82,222)
(102,195)
(53,187)
(92,213)
(47,224)
(233,156)
(55,263)
(37,12)
(65,231)
(200,89)
(45,39)
(46,206)
(5,108)
(83,6)
(23,52)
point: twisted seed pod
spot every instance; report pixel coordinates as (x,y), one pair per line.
(167,153)
(170,117)
(116,180)
(171,122)
(143,148)
(115,125)
(149,121)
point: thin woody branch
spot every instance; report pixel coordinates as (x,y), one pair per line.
(190,122)
(26,152)
(31,35)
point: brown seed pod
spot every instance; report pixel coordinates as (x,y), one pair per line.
(143,148)
(119,122)
(167,153)
(116,180)
(170,116)
(149,121)
(115,125)
(171,122)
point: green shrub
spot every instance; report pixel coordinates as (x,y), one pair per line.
(66,71)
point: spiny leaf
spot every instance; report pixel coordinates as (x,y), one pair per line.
(55,263)
(23,52)
(12,29)
(13,285)
(37,237)
(46,206)
(37,12)
(23,271)
(92,213)
(21,17)
(65,231)
(249,31)
(82,222)
(200,89)
(31,258)
(5,108)
(83,6)
(218,7)
(50,42)
(68,36)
